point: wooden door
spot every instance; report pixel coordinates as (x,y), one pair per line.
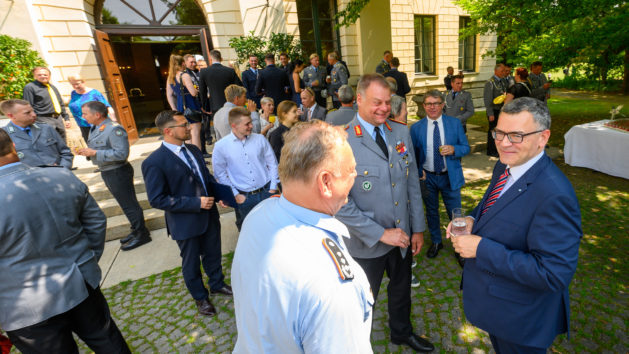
(114,85)
(206,44)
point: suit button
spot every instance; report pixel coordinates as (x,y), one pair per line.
(397,221)
(395,203)
(393,184)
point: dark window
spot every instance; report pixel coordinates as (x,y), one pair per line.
(424,44)
(467,48)
(316,27)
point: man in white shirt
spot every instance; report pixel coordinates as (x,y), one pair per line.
(245,161)
(236,96)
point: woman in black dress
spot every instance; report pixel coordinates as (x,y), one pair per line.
(287,115)
(521,87)
(296,82)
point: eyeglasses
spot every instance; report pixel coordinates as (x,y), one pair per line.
(433,104)
(514,138)
(186,125)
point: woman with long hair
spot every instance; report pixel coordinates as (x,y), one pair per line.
(181,93)
(296,82)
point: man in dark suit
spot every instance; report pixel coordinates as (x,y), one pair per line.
(403,87)
(310,108)
(53,234)
(273,82)
(178,182)
(524,243)
(249,79)
(213,81)
(439,143)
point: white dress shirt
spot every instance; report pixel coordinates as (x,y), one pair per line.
(429,164)
(245,165)
(176,149)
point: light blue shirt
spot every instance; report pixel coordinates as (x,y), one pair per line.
(246,164)
(518,171)
(9,165)
(176,149)
(288,294)
(370,128)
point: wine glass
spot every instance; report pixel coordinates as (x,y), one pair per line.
(459,222)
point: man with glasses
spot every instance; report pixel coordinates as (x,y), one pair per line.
(439,143)
(178,182)
(523,245)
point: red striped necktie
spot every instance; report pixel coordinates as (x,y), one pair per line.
(495,192)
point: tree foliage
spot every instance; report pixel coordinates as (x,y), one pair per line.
(350,13)
(17,60)
(260,46)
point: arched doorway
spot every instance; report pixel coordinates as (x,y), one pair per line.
(135,40)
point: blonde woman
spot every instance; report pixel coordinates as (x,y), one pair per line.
(80,95)
(181,93)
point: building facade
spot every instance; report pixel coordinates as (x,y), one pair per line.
(122,47)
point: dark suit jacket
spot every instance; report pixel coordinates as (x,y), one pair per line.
(249,79)
(402,81)
(213,80)
(273,82)
(318,113)
(517,286)
(173,187)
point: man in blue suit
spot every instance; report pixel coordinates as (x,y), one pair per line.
(439,142)
(178,182)
(524,243)
(249,79)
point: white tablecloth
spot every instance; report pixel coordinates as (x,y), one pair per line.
(595,146)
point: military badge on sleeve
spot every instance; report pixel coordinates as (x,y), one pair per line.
(339,260)
(118,132)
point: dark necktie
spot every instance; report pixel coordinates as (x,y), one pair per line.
(495,192)
(454,95)
(27,130)
(381,143)
(436,143)
(193,167)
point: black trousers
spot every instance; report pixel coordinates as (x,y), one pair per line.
(399,290)
(90,320)
(119,181)
(491,144)
(203,249)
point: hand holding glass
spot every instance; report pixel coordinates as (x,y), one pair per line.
(459,222)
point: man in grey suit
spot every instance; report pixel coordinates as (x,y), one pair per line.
(347,112)
(459,102)
(311,109)
(384,205)
(50,287)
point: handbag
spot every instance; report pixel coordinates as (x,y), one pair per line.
(190,114)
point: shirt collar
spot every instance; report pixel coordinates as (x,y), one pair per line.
(316,219)
(17,126)
(368,126)
(438,120)
(172,147)
(9,165)
(233,137)
(519,171)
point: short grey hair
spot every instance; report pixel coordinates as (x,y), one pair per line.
(434,94)
(498,66)
(346,94)
(266,99)
(397,102)
(537,108)
(367,79)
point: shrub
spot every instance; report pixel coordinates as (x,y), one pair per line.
(260,46)
(17,60)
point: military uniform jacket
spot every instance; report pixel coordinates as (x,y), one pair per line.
(383,67)
(494,87)
(386,192)
(461,107)
(537,84)
(44,147)
(338,77)
(110,141)
(311,74)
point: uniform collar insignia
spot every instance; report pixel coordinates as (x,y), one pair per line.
(102,127)
(388,126)
(358,130)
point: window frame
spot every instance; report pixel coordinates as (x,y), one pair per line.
(419,47)
(465,46)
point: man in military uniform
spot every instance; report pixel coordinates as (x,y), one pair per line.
(314,77)
(539,83)
(108,148)
(494,87)
(36,144)
(385,65)
(46,101)
(384,205)
(338,77)
(459,103)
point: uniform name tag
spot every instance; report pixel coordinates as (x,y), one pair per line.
(338,258)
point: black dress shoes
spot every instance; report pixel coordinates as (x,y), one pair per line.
(127,238)
(136,241)
(205,307)
(226,290)
(416,342)
(433,251)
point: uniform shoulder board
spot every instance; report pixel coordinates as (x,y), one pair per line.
(346,126)
(338,258)
(397,121)
(332,110)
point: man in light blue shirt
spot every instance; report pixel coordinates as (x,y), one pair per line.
(297,289)
(246,162)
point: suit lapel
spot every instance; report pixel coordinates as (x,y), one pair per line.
(171,155)
(423,136)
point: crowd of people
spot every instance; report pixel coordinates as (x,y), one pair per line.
(326,203)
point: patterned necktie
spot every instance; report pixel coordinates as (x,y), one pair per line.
(436,143)
(27,130)
(495,192)
(53,98)
(193,167)
(381,143)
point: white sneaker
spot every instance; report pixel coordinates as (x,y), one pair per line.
(414,282)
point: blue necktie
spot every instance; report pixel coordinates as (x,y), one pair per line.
(436,143)
(193,167)
(28,131)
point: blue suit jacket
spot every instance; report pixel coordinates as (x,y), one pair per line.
(249,79)
(172,186)
(517,286)
(453,132)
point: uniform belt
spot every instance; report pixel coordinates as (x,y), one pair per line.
(437,173)
(256,191)
(51,115)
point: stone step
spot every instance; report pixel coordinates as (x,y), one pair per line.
(118,226)
(111,208)
(99,190)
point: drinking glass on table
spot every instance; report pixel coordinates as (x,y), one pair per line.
(459,222)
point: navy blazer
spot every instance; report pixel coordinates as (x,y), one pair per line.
(213,80)
(173,187)
(273,82)
(454,135)
(403,87)
(517,286)
(249,79)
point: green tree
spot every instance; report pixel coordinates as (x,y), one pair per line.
(17,60)
(260,46)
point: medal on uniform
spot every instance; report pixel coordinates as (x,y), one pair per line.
(367,186)
(400,147)
(461,109)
